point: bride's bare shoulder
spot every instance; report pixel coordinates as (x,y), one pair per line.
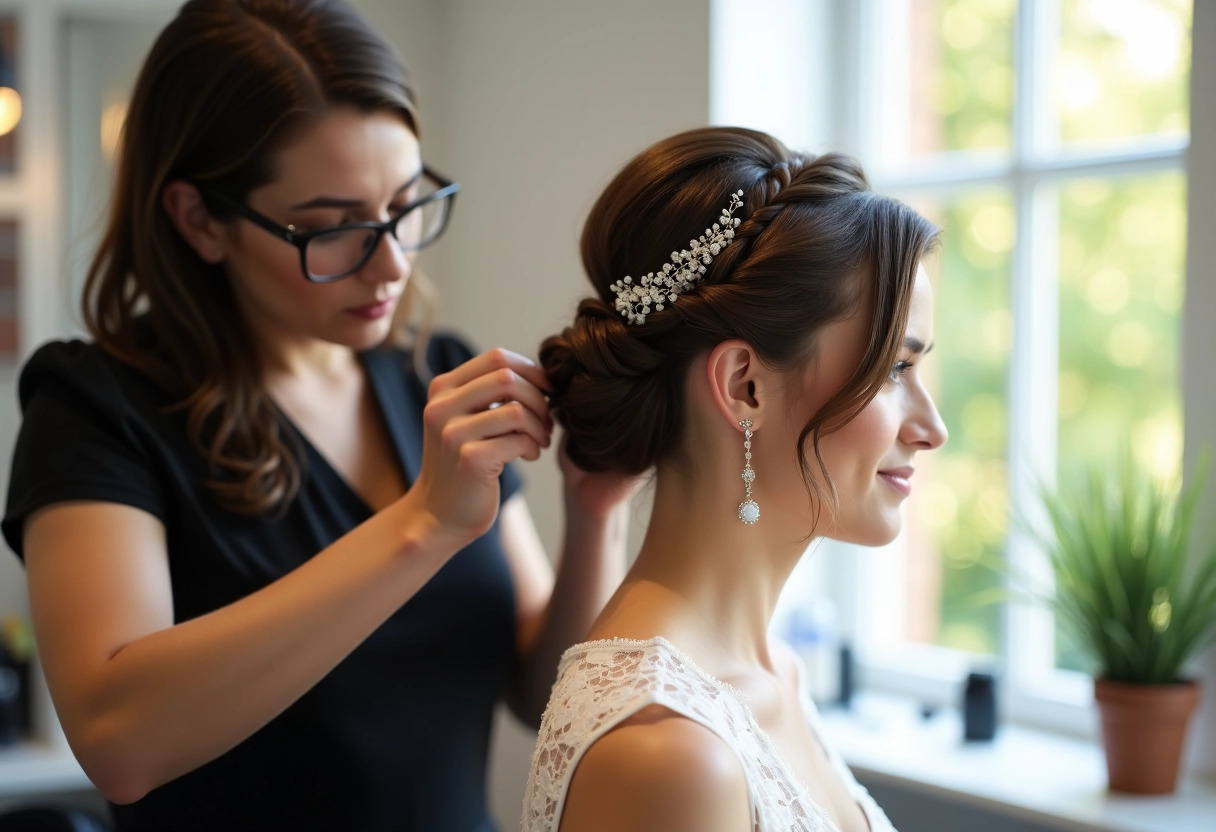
(657,771)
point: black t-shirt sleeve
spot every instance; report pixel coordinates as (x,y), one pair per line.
(79,439)
(446,352)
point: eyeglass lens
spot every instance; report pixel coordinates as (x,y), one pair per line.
(343,251)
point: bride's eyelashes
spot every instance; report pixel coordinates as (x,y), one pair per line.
(898,371)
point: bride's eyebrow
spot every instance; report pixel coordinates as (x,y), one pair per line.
(340,202)
(916,345)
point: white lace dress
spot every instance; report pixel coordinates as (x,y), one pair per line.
(602,683)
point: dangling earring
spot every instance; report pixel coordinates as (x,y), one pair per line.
(749,512)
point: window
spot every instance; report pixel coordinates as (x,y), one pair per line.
(1047,138)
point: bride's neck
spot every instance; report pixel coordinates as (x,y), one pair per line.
(703,578)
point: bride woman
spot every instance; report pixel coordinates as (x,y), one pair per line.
(768,371)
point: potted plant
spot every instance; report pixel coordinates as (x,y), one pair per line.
(1139,608)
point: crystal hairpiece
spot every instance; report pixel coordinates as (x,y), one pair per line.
(635,300)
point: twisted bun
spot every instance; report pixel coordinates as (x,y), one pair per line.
(615,394)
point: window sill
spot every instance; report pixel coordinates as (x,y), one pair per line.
(1056,781)
(1061,702)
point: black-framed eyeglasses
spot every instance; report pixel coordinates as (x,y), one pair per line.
(329,254)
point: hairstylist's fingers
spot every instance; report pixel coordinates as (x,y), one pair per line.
(488,391)
(511,417)
(488,362)
(489,456)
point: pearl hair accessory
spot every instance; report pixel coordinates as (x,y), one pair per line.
(749,510)
(634,300)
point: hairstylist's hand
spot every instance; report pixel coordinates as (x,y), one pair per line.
(480,416)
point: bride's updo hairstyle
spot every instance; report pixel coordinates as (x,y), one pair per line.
(812,236)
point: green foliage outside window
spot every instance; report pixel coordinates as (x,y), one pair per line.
(1121,253)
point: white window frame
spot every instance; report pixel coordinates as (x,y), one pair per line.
(1035,692)
(849,107)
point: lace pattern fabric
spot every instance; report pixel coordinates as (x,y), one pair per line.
(600,684)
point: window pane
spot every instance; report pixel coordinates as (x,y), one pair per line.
(960,81)
(1121,287)
(1123,69)
(956,516)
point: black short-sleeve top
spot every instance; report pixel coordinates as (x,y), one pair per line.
(393,738)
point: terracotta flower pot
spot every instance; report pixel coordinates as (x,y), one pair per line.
(1143,731)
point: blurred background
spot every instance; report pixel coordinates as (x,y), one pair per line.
(1050,139)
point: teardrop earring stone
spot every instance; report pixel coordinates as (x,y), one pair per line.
(749,512)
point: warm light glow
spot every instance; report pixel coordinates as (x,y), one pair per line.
(1151,36)
(940,505)
(1080,87)
(113,117)
(1158,445)
(993,227)
(10,109)
(1072,394)
(997,332)
(1108,290)
(983,423)
(962,28)
(1129,344)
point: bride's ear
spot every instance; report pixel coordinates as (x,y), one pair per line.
(738,381)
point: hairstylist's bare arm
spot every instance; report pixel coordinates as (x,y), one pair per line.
(143,700)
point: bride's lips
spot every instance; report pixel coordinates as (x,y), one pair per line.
(898,478)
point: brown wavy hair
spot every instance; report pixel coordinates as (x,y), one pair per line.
(812,233)
(227,84)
